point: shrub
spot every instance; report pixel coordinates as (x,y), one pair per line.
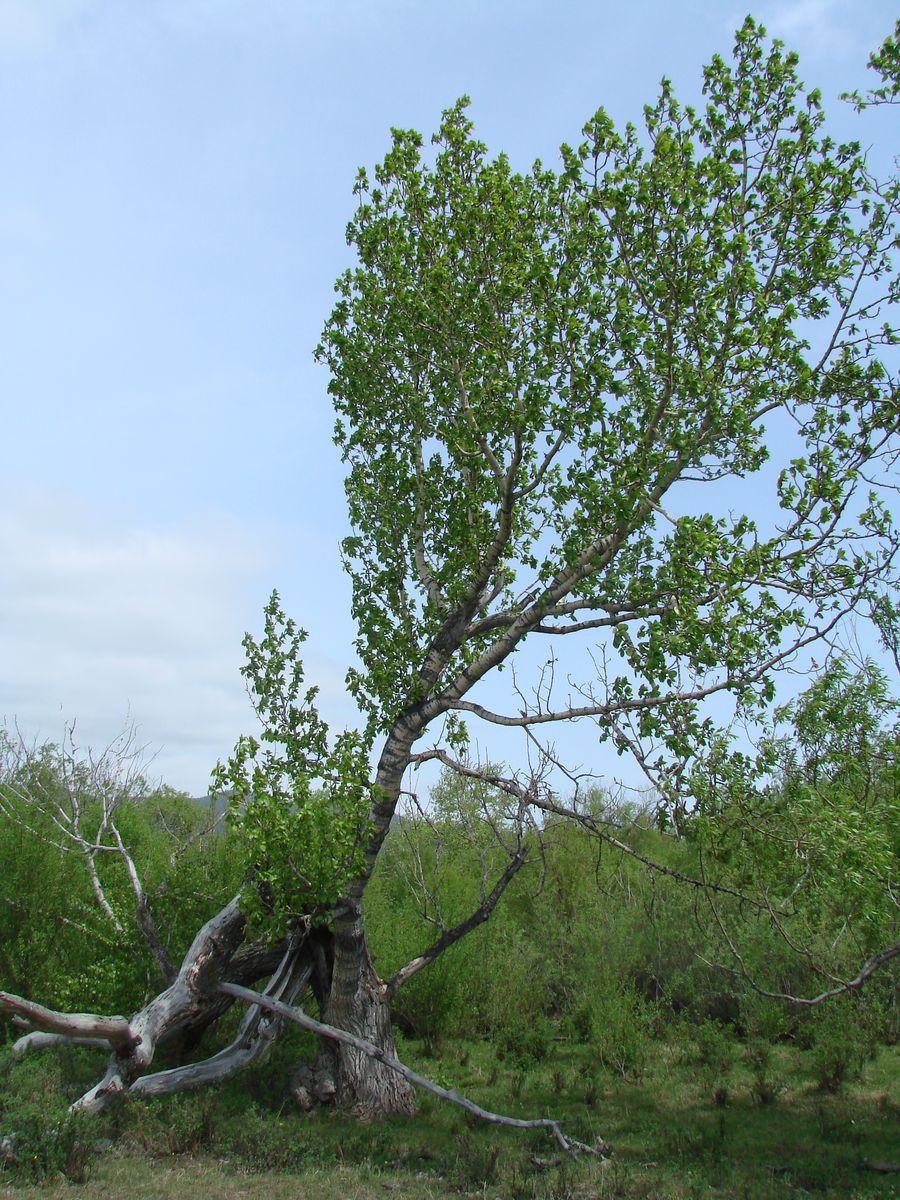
(766,1085)
(37,1148)
(621,1025)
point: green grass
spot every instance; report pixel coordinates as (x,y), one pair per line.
(718,1122)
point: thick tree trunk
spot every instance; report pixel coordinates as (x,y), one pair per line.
(357,1001)
(353,998)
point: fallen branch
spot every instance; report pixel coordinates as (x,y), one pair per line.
(116,1031)
(570,1145)
(39,1040)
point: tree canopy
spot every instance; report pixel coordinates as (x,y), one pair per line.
(546,383)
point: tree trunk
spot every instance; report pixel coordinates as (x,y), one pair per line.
(353,998)
(349,992)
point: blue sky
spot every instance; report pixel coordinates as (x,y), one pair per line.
(176,177)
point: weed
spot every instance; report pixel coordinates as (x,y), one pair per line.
(714,1047)
(766,1085)
(621,1024)
(841,1044)
(526,1044)
(40,1149)
(476,1163)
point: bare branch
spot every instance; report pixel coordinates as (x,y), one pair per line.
(569,1145)
(114,1030)
(40,1040)
(866,971)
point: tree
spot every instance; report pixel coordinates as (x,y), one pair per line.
(820,828)
(551,390)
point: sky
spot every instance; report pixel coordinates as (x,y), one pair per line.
(176,180)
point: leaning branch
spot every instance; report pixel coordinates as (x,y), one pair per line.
(449,936)
(570,1145)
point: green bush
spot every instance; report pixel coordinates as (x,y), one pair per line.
(41,1148)
(41,1140)
(525,1043)
(766,1083)
(841,1036)
(621,1026)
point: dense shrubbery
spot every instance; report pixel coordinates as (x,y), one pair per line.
(588,944)
(616,952)
(606,950)
(56,943)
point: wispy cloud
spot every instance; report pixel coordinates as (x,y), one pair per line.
(99,618)
(822,27)
(30,28)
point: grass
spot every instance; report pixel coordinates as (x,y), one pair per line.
(117,1177)
(734,1123)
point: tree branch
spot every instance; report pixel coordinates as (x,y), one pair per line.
(449,936)
(569,1145)
(115,1031)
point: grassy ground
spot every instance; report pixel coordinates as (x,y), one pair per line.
(721,1120)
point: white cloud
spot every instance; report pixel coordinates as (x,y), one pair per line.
(100,617)
(29,28)
(821,27)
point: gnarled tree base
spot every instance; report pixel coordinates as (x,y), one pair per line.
(356,1067)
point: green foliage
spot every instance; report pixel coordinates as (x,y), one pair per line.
(620,1027)
(768,1083)
(618,954)
(40,1141)
(526,1044)
(886,61)
(43,1149)
(562,350)
(843,1036)
(56,943)
(821,833)
(263,1141)
(298,803)
(714,1052)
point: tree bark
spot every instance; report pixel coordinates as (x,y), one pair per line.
(357,1001)
(349,992)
